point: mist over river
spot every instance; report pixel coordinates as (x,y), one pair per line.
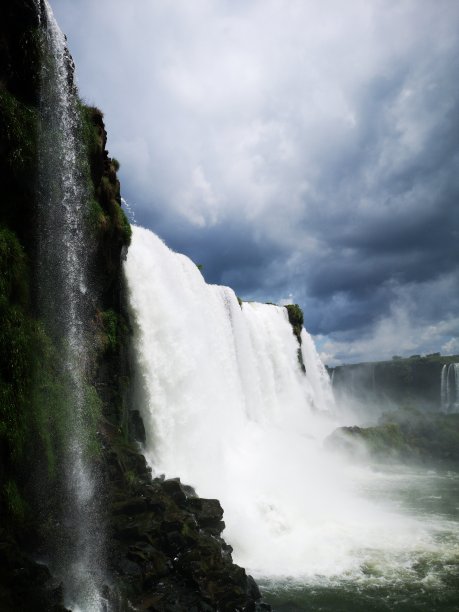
(420,576)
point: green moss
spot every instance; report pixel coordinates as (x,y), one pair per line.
(105,215)
(295,316)
(91,135)
(16,336)
(114,330)
(409,435)
(110,323)
(13,268)
(33,397)
(34,407)
(36,412)
(131,478)
(18,130)
(97,218)
(14,501)
(50,402)
(384,439)
(122,224)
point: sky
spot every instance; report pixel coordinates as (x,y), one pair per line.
(302,151)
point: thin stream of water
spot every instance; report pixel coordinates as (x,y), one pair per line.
(64,298)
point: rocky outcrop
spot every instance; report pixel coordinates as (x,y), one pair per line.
(165,546)
(404,436)
(25,585)
(296,319)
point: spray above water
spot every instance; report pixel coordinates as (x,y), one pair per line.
(228,409)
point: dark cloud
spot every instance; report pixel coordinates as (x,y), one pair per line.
(315,158)
(230,254)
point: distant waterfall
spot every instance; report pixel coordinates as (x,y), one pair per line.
(64,298)
(228,409)
(443,386)
(449,389)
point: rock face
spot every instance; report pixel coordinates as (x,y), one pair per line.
(163,544)
(24,584)
(296,319)
(404,436)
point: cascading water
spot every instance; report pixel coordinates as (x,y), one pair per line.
(64,298)
(443,387)
(228,409)
(449,390)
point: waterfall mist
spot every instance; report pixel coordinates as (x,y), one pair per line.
(64,296)
(228,409)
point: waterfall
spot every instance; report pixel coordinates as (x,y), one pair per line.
(449,388)
(65,300)
(228,409)
(443,385)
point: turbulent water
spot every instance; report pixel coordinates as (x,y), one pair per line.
(228,409)
(423,576)
(64,296)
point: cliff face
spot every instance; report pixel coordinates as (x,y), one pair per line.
(415,381)
(32,384)
(403,400)
(21,336)
(405,436)
(164,550)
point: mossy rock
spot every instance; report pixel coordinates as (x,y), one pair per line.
(407,436)
(296,318)
(18,163)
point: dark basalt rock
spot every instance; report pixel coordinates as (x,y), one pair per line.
(137,427)
(25,585)
(166,549)
(19,52)
(296,319)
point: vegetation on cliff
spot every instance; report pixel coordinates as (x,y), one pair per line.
(33,385)
(405,435)
(400,381)
(296,318)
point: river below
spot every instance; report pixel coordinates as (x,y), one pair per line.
(424,576)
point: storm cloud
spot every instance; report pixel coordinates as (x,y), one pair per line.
(299,150)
